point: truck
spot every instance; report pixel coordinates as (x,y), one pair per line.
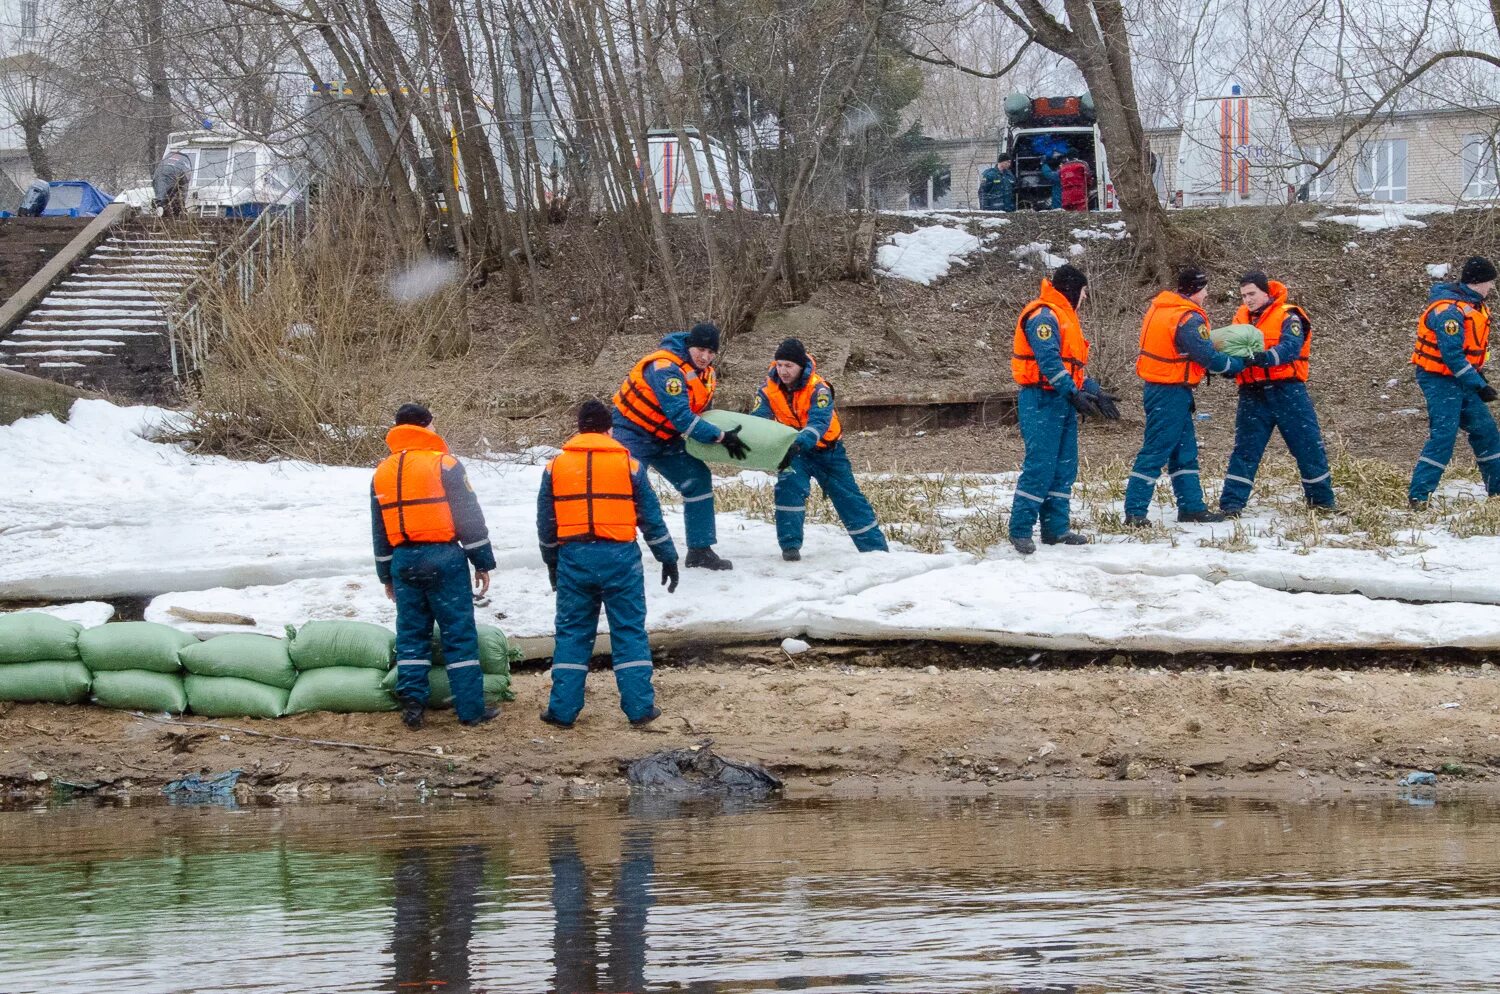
(1040,128)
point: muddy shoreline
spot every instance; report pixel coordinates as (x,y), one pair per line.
(847,719)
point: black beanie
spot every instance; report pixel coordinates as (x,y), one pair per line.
(1257,279)
(1477,269)
(1069,281)
(704,335)
(593,416)
(792,350)
(413,414)
(1191,279)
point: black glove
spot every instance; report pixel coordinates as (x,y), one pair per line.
(792,452)
(1107,405)
(1265,360)
(669,576)
(1085,404)
(731,441)
(1488,395)
(552,574)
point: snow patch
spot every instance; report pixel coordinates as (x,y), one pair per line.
(924,256)
(1040,252)
(85,613)
(1438,270)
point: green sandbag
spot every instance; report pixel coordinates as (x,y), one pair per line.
(231,697)
(133,645)
(260,658)
(344,689)
(56,681)
(768,441)
(440,695)
(495,651)
(33,637)
(1240,340)
(140,690)
(320,644)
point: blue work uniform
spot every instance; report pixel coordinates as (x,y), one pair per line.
(1283,405)
(823,459)
(997,189)
(1049,430)
(1171,440)
(669,457)
(591,573)
(430,582)
(1053,177)
(1453,400)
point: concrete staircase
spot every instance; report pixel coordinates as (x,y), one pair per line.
(103,326)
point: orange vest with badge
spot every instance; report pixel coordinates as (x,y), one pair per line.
(1073,347)
(592,493)
(1476,332)
(792,409)
(636,398)
(1270,321)
(409,487)
(1160,360)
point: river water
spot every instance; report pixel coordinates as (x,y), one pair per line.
(1082,895)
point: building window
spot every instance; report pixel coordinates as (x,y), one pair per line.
(29,18)
(1382,170)
(1323,186)
(1481,172)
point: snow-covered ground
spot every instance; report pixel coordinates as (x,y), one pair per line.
(95,510)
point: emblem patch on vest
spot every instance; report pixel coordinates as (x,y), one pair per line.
(1044,332)
(823,400)
(1203,332)
(1450,327)
(674,386)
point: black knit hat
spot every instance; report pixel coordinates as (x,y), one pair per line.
(1069,281)
(1477,269)
(593,416)
(704,335)
(1191,279)
(1257,279)
(792,350)
(413,414)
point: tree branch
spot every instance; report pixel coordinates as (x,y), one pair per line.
(948,63)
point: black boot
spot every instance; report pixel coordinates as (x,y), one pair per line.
(1199,517)
(1024,546)
(411,714)
(791,555)
(1137,521)
(549,718)
(1066,538)
(706,558)
(647,718)
(490,714)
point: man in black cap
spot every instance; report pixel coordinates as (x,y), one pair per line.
(1049,361)
(796,396)
(1453,341)
(1176,353)
(662,401)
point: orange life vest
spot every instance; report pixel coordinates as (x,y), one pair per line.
(592,493)
(1270,321)
(636,399)
(1428,356)
(1160,360)
(409,487)
(1073,346)
(792,411)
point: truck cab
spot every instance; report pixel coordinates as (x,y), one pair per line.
(1040,130)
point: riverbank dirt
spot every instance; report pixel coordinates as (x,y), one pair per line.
(842,718)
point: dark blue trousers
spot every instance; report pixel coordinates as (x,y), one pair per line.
(591,575)
(1450,406)
(831,468)
(1170,442)
(431,582)
(1049,427)
(1287,407)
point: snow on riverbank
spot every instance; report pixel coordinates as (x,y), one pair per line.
(924,256)
(96,510)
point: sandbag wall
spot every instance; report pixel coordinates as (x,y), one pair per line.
(341,666)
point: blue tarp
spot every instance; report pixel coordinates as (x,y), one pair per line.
(75,198)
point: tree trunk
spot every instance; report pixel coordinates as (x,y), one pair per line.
(159,119)
(31,127)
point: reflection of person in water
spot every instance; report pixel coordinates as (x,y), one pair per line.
(435,918)
(575,935)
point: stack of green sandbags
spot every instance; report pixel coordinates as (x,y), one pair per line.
(135,665)
(234,676)
(340,667)
(39,659)
(495,656)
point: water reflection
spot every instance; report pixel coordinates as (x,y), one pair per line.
(436,900)
(575,937)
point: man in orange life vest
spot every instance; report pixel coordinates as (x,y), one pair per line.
(428,530)
(658,405)
(1273,396)
(796,396)
(1049,360)
(1176,352)
(593,498)
(1453,341)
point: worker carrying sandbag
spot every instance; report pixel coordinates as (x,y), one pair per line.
(428,530)
(796,396)
(1273,396)
(593,498)
(659,404)
(1049,361)
(1453,342)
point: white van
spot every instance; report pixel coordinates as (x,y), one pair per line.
(674,184)
(1028,147)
